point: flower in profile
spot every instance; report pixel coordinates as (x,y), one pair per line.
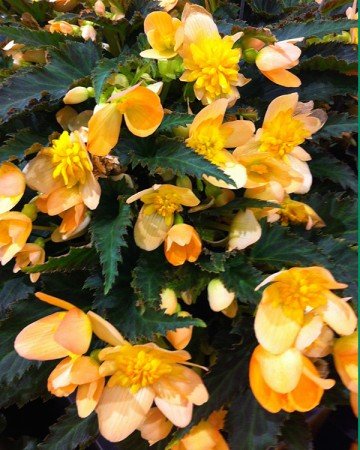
(182,243)
(245,230)
(63,174)
(162,34)
(274,60)
(351,14)
(140,375)
(30,255)
(156,217)
(281,312)
(288,381)
(12,186)
(15,228)
(346,362)
(315,339)
(206,435)
(210,137)
(220,299)
(142,111)
(63,27)
(209,60)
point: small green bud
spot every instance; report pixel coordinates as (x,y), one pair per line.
(170,69)
(91,92)
(178,219)
(95,355)
(212,191)
(250,55)
(40,242)
(181,132)
(30,210)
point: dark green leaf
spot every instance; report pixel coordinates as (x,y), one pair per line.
(78,258)
(13,290)
(296,433)
(328,6)
(71,431)
(317,28)
(13,367)
(70,62)
(32,38)
(336,125)
(327,167)
(212,261)
(266,8)
(330,56)
(250,426)
(175,119)
(102,72)
(15,147)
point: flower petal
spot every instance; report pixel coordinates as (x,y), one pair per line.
(281,103)
(283,77)
(339,315)
(150,230)
(54,300)
(104,330)
(214,111)
(310,331)
(88,396)
(245,230)
(179,415)
(104,130)
(240,132)
(74,332)
(12,186)
(84,370)
(39,174)
(90,191)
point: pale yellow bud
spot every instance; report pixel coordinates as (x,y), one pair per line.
(168,301)
(76,95)
(244,230)
(219,297)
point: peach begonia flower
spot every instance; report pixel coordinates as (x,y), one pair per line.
(142,112)
(287,124)
(155,427)
(162,34)
(140,375)
(315,339)
(220,299)
(29,255)
(210,137)
(180,337)
(274,60)
(346,362)
(12,186)
(15,228)
(288,381)
(182,243)
(67,334)
(60,26)
(169,301)
(63,174)
(20,56)
(156,216)
(281,312)
(209,60)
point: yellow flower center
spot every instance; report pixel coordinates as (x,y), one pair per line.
(282,134)
(209,140)
(297,294)
(138,367)
(213,65)
(164,203)
(70,160)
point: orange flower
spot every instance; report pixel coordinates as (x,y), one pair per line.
(162,34)
(156,217)
(210,137)
(209,60)
(63,175)
(182,243)
(139,375)
(12,186)
(281,312)
(60,26)
(288,381)
(141,109)
(180,337)
(29,255)
(298,213)
(15,228)
(274,61)
(346,363)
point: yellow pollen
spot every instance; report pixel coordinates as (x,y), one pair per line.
(163,203)
(138,367)
(70,160)
(213,65)
(282,134)
(208,140)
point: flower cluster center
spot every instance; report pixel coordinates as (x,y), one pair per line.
(208,141)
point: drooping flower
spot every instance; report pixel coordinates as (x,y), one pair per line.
(209,60)
(169,301)
(162,34)
(274,60)
(315,339)
(281,312)
(15,228)
(156,216)
(346,363)
(12,186)
(220,299)
(205,436)
(29,255)
(244,230)
(63,174)
(182,243)
(295,212)
(180,337)
(288,381)
(210,137)
(140,375)
(142,112)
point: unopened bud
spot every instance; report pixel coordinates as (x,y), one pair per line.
(169,301)
(244,230)
(178,219)
(226,196)
(30,210)
(99,8)
(219,297)
(180,337)
(250,55)
(182,132)
(76,95)
(40,242)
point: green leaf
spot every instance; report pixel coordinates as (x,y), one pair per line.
(337,124)
(78,258)
(250,426)
(71,431)
(102,72)
(108,235)
(188,277)
(13,290)
(13,367)
(317,28)
(173,120)
(174,155)
(277,248)
(329,56)
(296,433)
(212,261)
(32,38)
(69,63)
(267,8)
(328,6)
(242,278)
(327,167)
(15,147)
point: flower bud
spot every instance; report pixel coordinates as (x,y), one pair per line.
(170,69)
(169,301)
(30,210)
(219,297)
(250,55)
(244,230)
(226,196)
(76,95)
(180,337)
(182,132)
